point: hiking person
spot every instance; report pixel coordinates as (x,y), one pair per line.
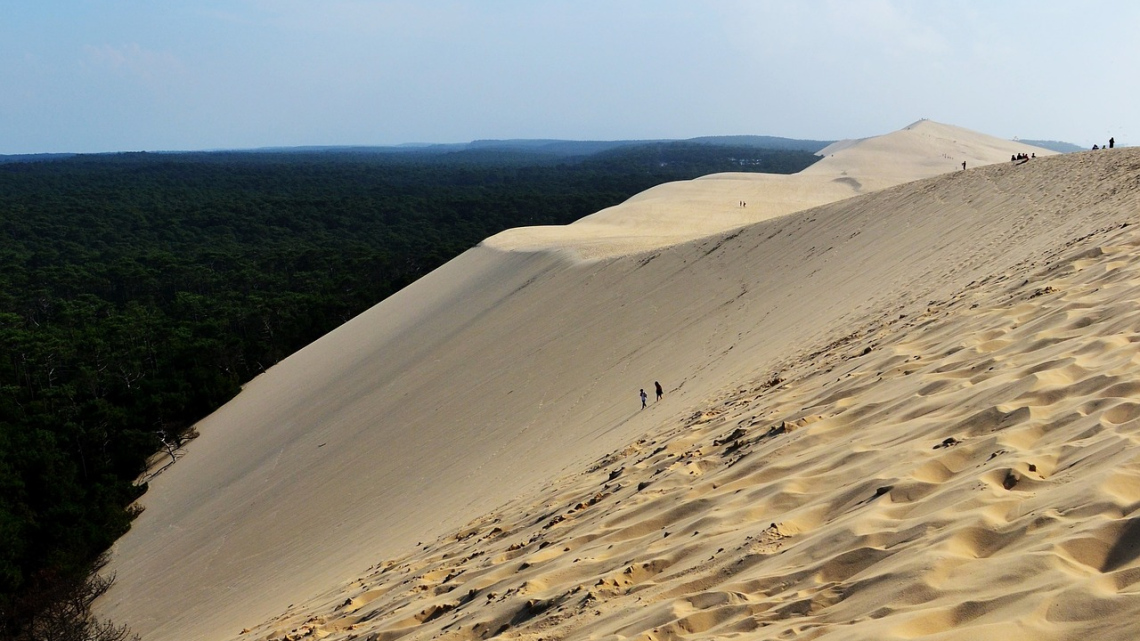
(660,392)
(643,397)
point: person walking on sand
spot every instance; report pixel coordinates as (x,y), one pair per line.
(660,392)
(1111,143)
(643,397)
(963,165)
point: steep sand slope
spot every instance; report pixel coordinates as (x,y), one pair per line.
(502,369)
(680,211)
(959,467)
(959,461)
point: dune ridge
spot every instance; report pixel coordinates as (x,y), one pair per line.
(680,211)
(507,368)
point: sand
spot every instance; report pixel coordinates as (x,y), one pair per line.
(901,415)
(680,211)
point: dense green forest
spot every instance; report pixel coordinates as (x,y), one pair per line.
(138,291)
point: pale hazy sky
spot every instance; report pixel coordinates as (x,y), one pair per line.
(113,75)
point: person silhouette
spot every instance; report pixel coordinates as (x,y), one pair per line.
(660,392)
(643,397)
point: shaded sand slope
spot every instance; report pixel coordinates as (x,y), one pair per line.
(679,211)
(956,460)
(504,368)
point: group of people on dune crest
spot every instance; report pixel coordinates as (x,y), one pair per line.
(1110,145)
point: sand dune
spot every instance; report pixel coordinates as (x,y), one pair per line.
(952,468)
(469,457)
(680,211)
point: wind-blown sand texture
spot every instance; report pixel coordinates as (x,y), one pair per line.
(787,486)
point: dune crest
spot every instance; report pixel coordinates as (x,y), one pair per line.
(811,364)
(680,211)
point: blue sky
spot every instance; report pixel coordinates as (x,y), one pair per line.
(114,75)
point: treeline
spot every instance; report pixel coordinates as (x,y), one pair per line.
(138,291)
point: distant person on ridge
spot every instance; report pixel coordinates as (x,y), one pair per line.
(963,165)
(1111,143)
(643,397)
(660,392)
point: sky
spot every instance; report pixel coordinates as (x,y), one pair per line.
(130,75)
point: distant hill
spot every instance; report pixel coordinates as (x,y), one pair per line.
(765,142)
(32,157)
(590,147)
(549,147)
(556,147)
(1054,145)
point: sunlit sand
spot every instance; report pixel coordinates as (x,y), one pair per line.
(899,403)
